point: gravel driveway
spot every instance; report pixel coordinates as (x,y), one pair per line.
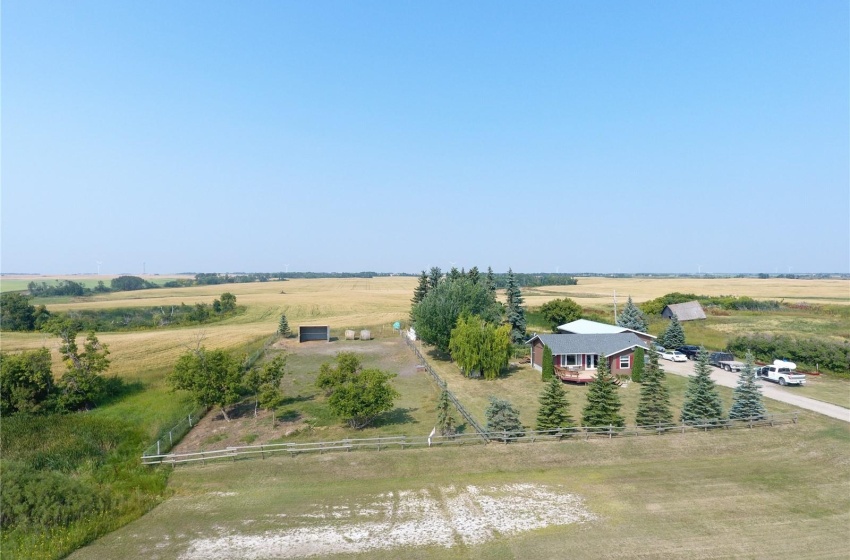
(730,379)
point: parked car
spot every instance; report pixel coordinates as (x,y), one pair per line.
(658,348)
(689,350)
(674,356)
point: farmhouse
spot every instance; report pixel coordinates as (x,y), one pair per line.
(688,311)
(583,326)
(577,356)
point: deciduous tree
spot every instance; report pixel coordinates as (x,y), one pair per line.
(436,315)
(16,312)
(82,385)
(26,382)
(213,377)
(364,397)
(560,311)
(478,346)
(264,382)
(332,374)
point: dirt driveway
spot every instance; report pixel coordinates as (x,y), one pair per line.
(730,379)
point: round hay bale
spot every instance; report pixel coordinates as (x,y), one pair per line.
(365,335)
(349,335)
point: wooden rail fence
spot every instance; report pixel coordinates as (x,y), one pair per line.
(405,442)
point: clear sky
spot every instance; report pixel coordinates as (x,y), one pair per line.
(612,136)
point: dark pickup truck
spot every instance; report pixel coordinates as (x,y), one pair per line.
(689,350)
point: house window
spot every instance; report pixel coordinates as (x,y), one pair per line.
(624,362)
(571,360)
(591,360)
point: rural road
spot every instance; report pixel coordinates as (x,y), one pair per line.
(730,379)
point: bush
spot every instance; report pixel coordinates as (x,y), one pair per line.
(130,283)
(807,353)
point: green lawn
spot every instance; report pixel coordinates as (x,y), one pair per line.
(781,492)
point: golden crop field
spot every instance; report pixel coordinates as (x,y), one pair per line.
(357,303)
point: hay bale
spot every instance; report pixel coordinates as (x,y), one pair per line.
(349,335)
(365,335)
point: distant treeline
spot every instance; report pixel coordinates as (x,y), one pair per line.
(731,303)
(534,279)
(139,318)
(71,288)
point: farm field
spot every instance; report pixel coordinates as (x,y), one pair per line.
(781,492)
(143,359)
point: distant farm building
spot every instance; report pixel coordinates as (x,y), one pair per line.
(688,311)
(314,332)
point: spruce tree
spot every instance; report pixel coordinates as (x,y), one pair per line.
(421,289)
(516,313)
(746,398)
(283,327)
(673,336)
(702,401)
(491,281)
(632,317)
(554,407)
(474,275)
(654,405)
(503,417)
(434,277)
(603,402)
(639,365)
(548,364)
(446,425)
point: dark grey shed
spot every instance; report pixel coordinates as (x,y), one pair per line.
(314,332)
(688,311)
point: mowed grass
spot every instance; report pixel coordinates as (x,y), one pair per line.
(781,492)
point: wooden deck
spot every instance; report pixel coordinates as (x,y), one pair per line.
(575,375)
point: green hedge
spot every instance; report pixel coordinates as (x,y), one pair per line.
(808,353)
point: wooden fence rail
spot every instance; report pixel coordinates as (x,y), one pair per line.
(404,442)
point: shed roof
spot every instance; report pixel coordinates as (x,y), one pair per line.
(607,344)
(687,311)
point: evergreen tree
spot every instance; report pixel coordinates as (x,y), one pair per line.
(491,281)
(434,277)
(603,402)
(654,405)
(702,401)
(516,313)
(454,274)
(639,365)
(746,398)
(421,289)
(503,417)
(632,317)
(283,327)
(548,364)
(446,425)
(554,407)
(673,336)
(474,275)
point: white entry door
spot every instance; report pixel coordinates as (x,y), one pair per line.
(591,360)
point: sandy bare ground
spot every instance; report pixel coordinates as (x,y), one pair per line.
(444,517)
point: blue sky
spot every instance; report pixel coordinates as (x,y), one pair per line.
(393,136)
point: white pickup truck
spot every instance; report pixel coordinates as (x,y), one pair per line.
(781,372)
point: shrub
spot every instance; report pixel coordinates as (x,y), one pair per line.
(807,353)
